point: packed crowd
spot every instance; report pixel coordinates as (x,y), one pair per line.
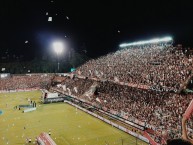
(160,111)
(75,86)
(15,82)
(161,67)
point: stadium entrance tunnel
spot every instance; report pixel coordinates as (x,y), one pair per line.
(1,112)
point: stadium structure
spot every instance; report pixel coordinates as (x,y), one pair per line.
(141,88)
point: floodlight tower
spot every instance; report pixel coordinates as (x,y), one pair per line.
(58,48)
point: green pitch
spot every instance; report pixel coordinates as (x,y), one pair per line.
(68,125)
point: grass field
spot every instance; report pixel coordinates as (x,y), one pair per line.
(68,125)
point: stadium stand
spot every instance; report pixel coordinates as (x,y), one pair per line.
(16,82)
(159,112)
(160,67)
(140,84)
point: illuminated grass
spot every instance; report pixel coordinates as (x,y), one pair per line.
(68,125)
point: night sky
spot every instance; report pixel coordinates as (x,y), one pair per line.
(97,26)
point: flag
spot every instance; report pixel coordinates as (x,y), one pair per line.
(79,72)
(96,72)
(69,91)
(104,108)
(75,89)
(71,75)
(91,90)
(64,87)
(97,99)
(116,79)
(121,83)
(90,72)
(113,112)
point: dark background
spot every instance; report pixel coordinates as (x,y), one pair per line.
(92,25)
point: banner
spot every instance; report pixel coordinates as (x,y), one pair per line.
(91,91)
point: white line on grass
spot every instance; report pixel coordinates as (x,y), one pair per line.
(65,140)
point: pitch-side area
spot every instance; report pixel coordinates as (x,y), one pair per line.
(66,124)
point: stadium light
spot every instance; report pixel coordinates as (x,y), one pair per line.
(156,40)
(58,48)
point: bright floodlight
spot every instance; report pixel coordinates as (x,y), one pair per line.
(156,40)
(58,47)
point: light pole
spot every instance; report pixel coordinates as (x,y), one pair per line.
(58,48)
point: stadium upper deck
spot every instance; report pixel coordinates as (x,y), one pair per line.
(160,67)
